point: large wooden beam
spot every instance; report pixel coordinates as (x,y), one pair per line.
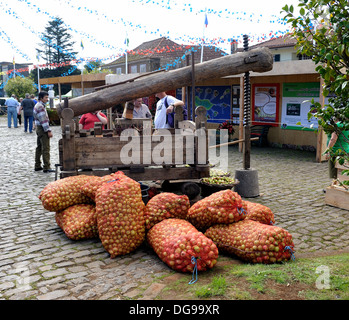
(257,60)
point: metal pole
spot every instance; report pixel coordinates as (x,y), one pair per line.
(126,71)
(38,78)
(193,86)
(82,83)
(203,38)
(247,114)
(187,88)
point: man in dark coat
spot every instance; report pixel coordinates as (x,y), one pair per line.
(28,107)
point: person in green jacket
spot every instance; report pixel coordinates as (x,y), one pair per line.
(336,142)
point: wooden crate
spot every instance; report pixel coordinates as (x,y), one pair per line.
(340,169)
(337,196)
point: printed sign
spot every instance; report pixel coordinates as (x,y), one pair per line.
(296,104)
(265,104)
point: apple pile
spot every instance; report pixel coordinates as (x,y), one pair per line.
(220,207)
(258,212)
(176,241)
(78,221)
(61,194)
(252,241)
(165,205)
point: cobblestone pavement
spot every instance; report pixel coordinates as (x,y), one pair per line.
(37,261)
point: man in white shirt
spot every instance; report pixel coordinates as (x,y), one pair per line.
(12,105)
(165,106)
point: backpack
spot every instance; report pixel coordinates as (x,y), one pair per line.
(170,116)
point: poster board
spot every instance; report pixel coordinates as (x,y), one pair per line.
(265,104)
(296,104)
(215,99)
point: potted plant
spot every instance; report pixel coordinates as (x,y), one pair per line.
(228,125)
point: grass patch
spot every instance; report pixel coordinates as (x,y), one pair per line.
(326,277)
(257,275)
(217,287)
(320,278)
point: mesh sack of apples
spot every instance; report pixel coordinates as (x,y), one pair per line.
(258,212)
(112,209)
(177,242)
(120,218)
(220,207)
(61,194)
(115,215)
(253,241)
(78,221)
(165,205)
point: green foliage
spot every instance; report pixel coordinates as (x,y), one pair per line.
(322,32)
(57,46)
(53,116)
(20,86)
(93,67)
(216,288)
(56,49)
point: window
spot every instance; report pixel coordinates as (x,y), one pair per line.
(134,69)
(118,70)
(143,68)
(303,57)
(276,57)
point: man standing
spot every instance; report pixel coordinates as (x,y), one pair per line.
(28,108)
(12,105)
(140,110)
(44,134)
(164,107)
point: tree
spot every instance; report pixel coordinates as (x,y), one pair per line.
(322,31)
(56,43)
(57,50)
(20,86)
(95,67)
(92,66)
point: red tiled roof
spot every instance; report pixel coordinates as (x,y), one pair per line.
(168,51)
(280,42)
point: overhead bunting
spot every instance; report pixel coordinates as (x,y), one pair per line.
(119,51)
